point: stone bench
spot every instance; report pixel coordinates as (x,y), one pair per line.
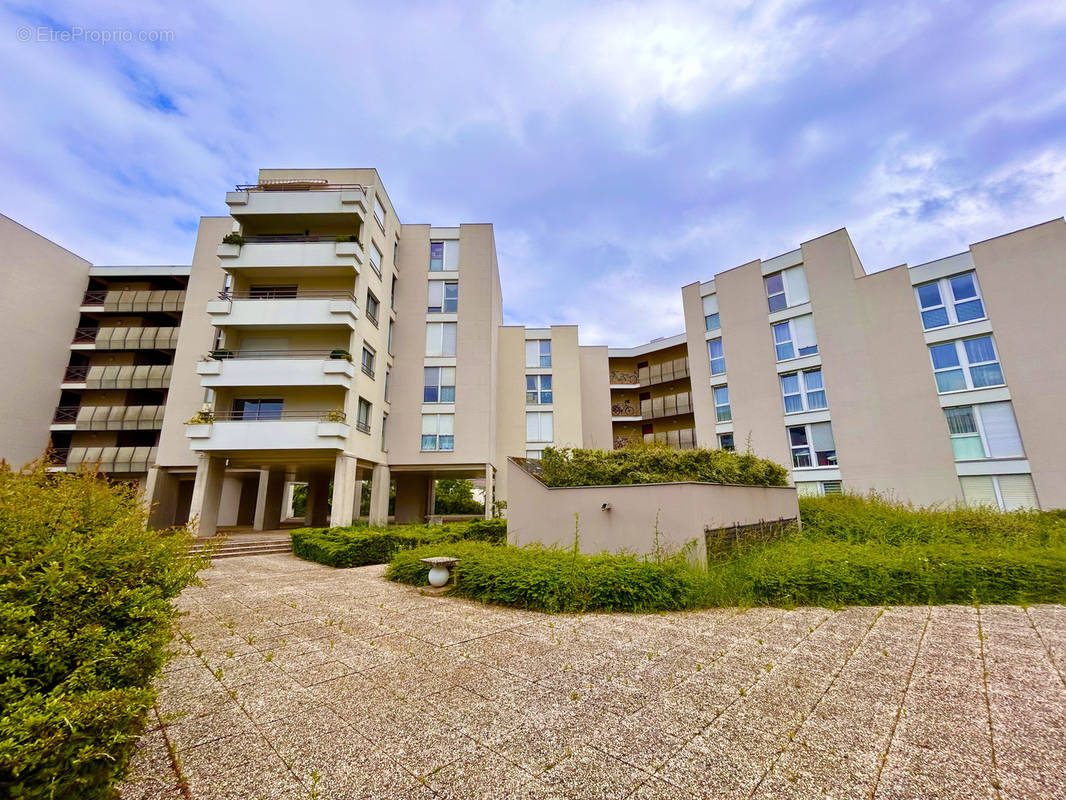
(439,569)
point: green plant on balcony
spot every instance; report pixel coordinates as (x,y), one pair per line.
(340,354)
(334,415)
(346,237)
(233,238)
(219,355)
(202,417)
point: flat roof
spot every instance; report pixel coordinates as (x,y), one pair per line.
(139,270)
(650,347)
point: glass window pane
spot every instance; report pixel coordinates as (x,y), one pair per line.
(961,420)
(935,318)
(790,384)
(429,442)
(714,347)
(813,380)
(270,409)
(967,448)
(797,436)
(717,366)
(816,400)
(775,284)
(951,380)
(712,322)
(777,302)
(447,394)
(545,381)
(721,395)
(929,295)
(448,345)
(430,394)
(429,423)
(545,347)
(944,355)
(979,350)
(782,333)
(962,286)
(546,361)
(971,309)
(446,442)
(545,396)
(793,403)
(531,383)
(986,375)
(801,458)
(785,351)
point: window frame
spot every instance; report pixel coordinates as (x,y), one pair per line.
(373,308)
(946,289)
(367,360)
(804,391)
(785,292)
(963,364)
(732,448)
(375,264)
(380,214)
(722,408)
(711,300)
(981,433)
(259,414)
(713,358)
(791,327)
(442,287)
(439,386)
(440,339)
(808,447)
(438,437)
(540,427)
(362,420)
(446,264)
(539,391)
(541,354)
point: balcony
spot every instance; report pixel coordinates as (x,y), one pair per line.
(679,440)
(264,255)
(318,308)
(108,418)
(297,197)
(238,368)
(661,373)
(670,405)
(123,338)
(623,377)
(134,301)
(284,430)
(147,376)
(105,459)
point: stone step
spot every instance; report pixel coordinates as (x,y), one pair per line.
(253,548)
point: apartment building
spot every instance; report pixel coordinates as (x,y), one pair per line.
(315,339)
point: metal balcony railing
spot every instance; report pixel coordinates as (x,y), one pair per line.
(624,376)
(362,427)
(282,294)
(110,418)
(297,185)
(225,355)
(320,415)
(94,298)
(624,409)
(661,373)
(65,415)
(121,337)
(59,456)
(136,300)
(369,371)
(127,376)
(84,335)
(293,238)
(669,405)
(75,374)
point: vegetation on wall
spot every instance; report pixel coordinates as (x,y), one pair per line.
(656,463)
(85,615)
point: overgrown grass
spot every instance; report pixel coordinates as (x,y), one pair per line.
(85,617)
(360,545)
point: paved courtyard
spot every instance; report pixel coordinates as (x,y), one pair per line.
(300,681)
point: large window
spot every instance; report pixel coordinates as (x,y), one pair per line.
(988,430)
(443,296)
(539,426)
(812,445)
(439,385)
(369,356)
(438,431)
(388,375)
(536,454)
(444,256)
(538,389)
(538,352)
(257,408)
(717,356)
(1005,492)
(966,364)
(795,337)
(803,391)
(710,312)
(786,288)
(379,212)
(375,258)
(372,307)
(362,418)
(722,411)
(440,339)
(950,301)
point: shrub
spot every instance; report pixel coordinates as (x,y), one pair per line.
(85,616)
(233,238)
(656,463)
(359,545)
(559,581)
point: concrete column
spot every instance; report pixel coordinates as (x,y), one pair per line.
(412,492)
(206,493)
(379,496)
(357,508)
(230,502)
(261,501)
(490,489)
(275,483)
(286,505)
(341,513)
(317,500)
(431,496)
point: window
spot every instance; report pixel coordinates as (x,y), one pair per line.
(534,453)
(362,417)
(257,409)
(443,296)
(372,307)
(438,432)
(965,301)
(440,339)
(388,375)
(710,312)
(368,361)
(379,212)
(392,294)
(375,258)
(1005,492)
(965,364)
(722,412)
(439,385)
(392,325)
(803,391)
(812,445)
(988,430)
(538,353)
(272,292)
(444,256)
(538,389)
(717,356)
(818,488)
(725,441)
(786,288)
(384,423)
(539,426)
(795,337)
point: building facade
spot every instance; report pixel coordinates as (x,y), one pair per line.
(315,339)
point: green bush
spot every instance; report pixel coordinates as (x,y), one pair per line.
(559,581)
(359,545)
(85,617)
(656,463)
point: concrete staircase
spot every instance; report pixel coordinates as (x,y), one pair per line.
(226,547)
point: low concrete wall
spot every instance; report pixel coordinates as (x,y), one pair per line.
(537,513)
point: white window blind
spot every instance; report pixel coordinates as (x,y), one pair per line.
(804,329)
(1017,491)
(1006,492)
(375,258)
(440,339)
(796,286)
(451,255)
(978,490)
(710,305)
(539,426)
(436,295)
(822,437)
(1001,430)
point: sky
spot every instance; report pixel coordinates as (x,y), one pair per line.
(621,150)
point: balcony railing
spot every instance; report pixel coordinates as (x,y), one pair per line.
(320,415)
(128,338)
(110,418)
(127,376)
(624,409)
(362,427)
(368,371)
(59,456)
(107,459)
(84,335)
(136,300)
(619,376)
(75,374)
(294,238)
(668,406)
(679,440)
(661,373)
(65,414)
(281,294)
(297,185)
(226,355)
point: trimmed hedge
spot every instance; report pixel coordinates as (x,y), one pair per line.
(85,617)
(656,463)
(559,581)
(359,545)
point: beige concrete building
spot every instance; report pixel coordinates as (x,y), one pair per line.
(315,340)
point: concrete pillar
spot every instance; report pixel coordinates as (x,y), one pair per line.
(490,489)
(379,496)
(431,496)
(230,501)
(357,507)
(159,493)
(286,505)
(206,494)
(341,513)
(259,523)
(275,489)
(317,500)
